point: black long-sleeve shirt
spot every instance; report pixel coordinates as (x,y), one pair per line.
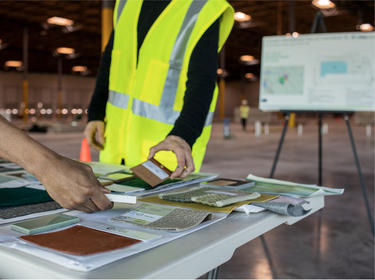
(199,86)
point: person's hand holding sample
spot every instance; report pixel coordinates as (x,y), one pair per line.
(182,151)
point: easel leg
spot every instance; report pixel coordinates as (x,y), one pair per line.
(320,180)
(362,183)
(320,183)
(276,159)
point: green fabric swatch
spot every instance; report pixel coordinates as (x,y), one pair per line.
(22,196)
(139,183)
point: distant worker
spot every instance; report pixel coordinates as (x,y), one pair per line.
(156,86)
(244,112)
(71,184)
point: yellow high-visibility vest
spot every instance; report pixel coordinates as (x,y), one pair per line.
(146,93)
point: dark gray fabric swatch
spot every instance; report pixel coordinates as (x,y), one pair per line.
(17,211)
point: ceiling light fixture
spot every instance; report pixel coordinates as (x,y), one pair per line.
(60,21)
(323,4)
(241,17)
(221,73)
(13,63)
(366,27)
(79,68)
(65,50)
(248,60)
(295,34)
(250,77)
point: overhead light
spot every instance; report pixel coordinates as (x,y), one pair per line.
(60,21)
(13,63)
(65,50)
(246,58)
(295,34)
(241,17)
(366,27)
(323,4)
(250,77)
(222,73)
(79,68)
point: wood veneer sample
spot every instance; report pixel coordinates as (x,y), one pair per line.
(152,172)
(80,240)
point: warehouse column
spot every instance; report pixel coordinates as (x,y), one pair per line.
(25,82)
(107,21)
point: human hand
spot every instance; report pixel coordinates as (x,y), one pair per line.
(94,133)
(73,185)
(182,151)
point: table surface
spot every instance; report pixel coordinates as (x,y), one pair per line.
(188,257)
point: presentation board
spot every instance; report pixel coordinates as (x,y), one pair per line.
(318,72)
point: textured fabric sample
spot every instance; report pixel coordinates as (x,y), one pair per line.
(196,206)
(22,196)
(80,240)
(18,211)
(180,219)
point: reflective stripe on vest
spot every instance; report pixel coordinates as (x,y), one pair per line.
(120,7)
(118,99)
(164,111)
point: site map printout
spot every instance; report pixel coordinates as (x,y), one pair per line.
(318,72)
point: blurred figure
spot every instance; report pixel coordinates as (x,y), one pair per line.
(244,112)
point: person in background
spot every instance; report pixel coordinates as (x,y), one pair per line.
(71,184)
(244,112)
(156,86)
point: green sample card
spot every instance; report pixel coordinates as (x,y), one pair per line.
(45,223)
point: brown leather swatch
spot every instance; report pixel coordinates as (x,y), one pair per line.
(80,240)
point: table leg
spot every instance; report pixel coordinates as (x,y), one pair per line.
(212,274)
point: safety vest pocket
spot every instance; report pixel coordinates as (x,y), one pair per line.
(152,88)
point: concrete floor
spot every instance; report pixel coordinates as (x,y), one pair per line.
(342,248)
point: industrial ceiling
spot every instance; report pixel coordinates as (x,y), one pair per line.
(267,18)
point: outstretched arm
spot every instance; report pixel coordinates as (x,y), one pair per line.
(72,184)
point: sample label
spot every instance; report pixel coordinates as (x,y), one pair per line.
(155,170)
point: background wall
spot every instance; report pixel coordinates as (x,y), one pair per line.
(76,91)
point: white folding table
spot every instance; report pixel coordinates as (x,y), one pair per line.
(188,257)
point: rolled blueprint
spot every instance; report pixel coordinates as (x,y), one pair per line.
(284,205)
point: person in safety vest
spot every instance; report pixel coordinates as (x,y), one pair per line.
(244,112)
(71,184)
(156,90)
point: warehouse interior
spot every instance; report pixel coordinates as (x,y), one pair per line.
(48,72)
